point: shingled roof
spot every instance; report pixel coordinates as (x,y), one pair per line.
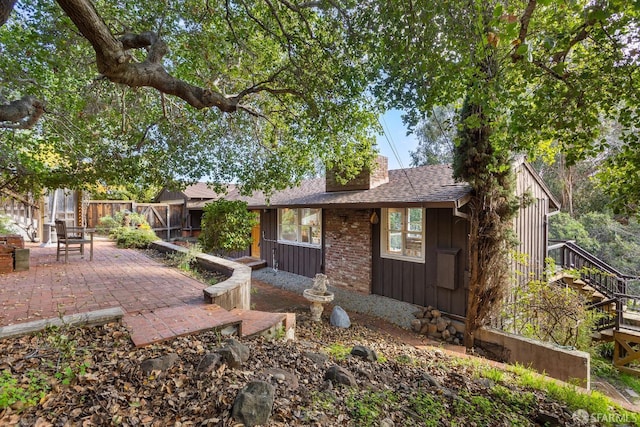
(430,186)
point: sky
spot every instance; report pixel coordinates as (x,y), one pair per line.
(395,137)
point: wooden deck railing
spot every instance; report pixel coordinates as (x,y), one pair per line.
(600,275)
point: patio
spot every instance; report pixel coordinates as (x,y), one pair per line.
(159,302)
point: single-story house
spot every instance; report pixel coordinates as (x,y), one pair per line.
(400,233)
(193,198)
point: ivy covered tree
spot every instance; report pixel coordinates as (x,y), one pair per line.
(115,93)
(530,73)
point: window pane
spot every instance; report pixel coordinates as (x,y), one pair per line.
(395,243)
(413,245)
(288,216)
(310,216)
(315,235)
(289,232)
(305,234)
(395,219)
(415,219)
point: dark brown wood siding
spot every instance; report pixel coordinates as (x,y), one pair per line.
(302,260)
(530,226)
(415,282)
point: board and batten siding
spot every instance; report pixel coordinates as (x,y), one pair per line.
(530,226)
(303,260)
(418,283)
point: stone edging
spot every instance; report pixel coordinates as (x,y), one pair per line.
(235,292)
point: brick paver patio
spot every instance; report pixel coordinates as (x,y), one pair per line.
(159,302)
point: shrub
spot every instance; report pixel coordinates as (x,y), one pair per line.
(6,225)
(128,229)
(226,226)
(127,237)
(120,219)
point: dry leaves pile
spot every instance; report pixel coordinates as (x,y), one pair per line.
(102,384)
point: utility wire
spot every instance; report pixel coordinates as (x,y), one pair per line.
(387,136)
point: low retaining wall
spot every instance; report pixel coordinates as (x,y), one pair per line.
(571,366)
(235,292)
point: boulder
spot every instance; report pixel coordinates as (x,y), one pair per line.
(234,353)
(254,403)
(340,375)
(364,352)
(339,318)
(159,363)
(209,362)
(317,358)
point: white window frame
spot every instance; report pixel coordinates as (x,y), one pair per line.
(404,232)
(300,227)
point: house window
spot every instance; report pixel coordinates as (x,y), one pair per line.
(301,226)
(403,234)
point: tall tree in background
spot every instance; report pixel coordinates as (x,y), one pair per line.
(530,72)
(436,133)
(129,92)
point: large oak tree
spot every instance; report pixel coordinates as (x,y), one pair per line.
(259,93)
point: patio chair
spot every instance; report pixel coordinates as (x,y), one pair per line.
(72,239)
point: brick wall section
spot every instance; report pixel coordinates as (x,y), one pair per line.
(348,248)
(365,180)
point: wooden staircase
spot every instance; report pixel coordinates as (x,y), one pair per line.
(606,288)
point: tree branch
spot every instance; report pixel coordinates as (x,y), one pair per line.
(21,114)
(114,62)
(524,28)
(6,7)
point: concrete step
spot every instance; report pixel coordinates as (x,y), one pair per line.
(253,263)
(165,323)
(264,323)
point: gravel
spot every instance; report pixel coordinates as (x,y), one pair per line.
(394,311)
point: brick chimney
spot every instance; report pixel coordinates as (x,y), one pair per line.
(365,180)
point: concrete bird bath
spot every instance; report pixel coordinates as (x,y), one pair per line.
(318,295)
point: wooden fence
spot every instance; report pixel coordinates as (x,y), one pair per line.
(164,218)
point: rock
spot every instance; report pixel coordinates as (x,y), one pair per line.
(317,358)
(416,325)
(458,325)
(456,341)
(234,353)
(424,330)
(548,419)
(435,313)
(432,329)
(452,330)
(240,348)
(209,362)
(441,324)
(254,403)
(284,376)
(339,318)
(364,352)
(431,380)
(159,363)
(445,334)
(418,314)
(387,422)
(340,375)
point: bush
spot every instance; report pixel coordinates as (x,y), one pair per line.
(120,219)
(128,229)
(226,226)
(128,237)
(6,225)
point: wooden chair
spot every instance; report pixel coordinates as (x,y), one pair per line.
(72,239)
